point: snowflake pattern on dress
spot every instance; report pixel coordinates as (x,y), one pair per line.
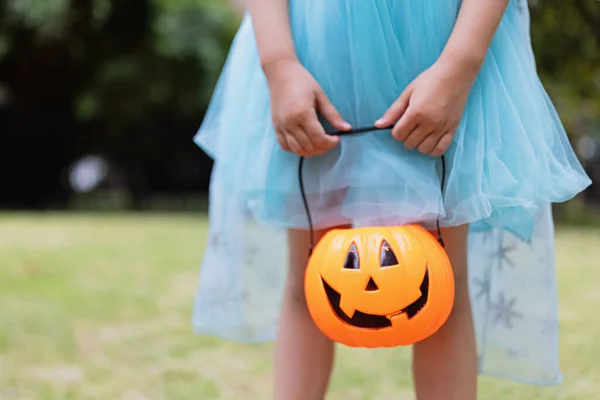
(514,300)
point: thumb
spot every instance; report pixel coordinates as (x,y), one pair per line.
(398,107)
(331,114)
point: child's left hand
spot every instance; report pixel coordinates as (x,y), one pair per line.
(429,110)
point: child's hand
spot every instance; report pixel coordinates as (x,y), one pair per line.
(295,99)
(429,110)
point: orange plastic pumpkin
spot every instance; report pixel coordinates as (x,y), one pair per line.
(379,287)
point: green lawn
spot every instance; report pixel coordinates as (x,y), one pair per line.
(98,307)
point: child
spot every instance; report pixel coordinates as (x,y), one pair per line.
(448,77)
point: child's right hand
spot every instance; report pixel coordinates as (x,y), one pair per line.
(296,97)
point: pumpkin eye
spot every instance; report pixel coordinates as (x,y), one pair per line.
(352,261)
(387,258)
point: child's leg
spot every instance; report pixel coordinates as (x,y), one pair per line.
(445,365)
(303,355)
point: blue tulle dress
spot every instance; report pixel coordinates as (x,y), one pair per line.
(509,160)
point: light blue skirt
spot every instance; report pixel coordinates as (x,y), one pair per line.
(510,159)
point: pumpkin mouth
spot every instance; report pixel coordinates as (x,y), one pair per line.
(372,321)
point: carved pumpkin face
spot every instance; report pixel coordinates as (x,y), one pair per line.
(379,287)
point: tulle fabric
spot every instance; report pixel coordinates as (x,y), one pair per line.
(509,160)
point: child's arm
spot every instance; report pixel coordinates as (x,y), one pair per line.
(473,32)
(270,19)
(295,94)
(429,110)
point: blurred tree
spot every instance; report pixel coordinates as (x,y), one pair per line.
(127,79)
(566,39)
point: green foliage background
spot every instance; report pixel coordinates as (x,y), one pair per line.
(566,40)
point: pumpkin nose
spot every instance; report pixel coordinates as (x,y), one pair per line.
(371,286)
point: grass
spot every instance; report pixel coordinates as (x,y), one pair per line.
(98,307)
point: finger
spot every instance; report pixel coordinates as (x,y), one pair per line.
(443,144)
(316,133)
(429,143)
(408,122)
(396,110)
(298,133)
(281,139)
(416,137)
(330,113)
(294,145)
